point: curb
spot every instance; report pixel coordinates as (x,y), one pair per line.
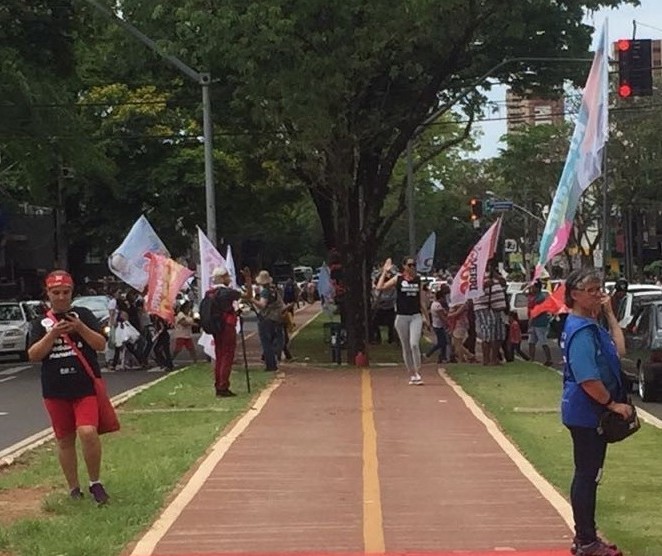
(8,456)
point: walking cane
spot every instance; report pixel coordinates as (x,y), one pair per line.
(243,348)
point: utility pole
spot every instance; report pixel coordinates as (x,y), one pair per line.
(202,79)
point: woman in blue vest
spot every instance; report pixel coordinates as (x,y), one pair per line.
(591,384)
(411,313)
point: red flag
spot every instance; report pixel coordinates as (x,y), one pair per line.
(554,304)
(166,277)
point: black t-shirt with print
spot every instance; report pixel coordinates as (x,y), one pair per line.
(62,374)
(408,296)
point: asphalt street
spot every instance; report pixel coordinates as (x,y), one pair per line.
(654,408)
(22,413)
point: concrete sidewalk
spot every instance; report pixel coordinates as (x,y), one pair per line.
(343,460)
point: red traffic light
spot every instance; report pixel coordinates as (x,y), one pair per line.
(623,45)
(624,91)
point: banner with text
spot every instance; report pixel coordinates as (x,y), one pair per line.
(468,282)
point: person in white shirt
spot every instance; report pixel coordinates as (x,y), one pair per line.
(184,322)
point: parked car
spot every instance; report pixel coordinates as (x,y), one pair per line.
(98,304)
(633,302)
(15,320)
(519,302)
(642,364)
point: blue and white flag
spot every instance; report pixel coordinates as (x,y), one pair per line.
(324,285)
(129,262)
(585,156)
(425,257)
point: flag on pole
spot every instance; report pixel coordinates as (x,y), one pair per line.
(425,257)
(210,259)
(166,278)
(129,261)
(554,304)
(229,264)
(585,156)
(468,282)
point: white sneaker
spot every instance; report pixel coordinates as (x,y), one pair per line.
(415,380)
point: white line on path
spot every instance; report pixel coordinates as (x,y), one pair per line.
(7,378)
(148,542)
(544,487)
(3,413)
(14,370)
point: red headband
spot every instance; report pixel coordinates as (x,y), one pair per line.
(60,279)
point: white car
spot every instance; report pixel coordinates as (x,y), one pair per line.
(15,320)
(636,298)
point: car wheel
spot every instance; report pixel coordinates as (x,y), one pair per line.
(645,388)
(23,355)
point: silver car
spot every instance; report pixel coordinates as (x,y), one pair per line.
(15,320)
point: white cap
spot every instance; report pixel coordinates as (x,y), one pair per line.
(219,271)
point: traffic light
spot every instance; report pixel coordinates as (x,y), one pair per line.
(635,75)
(476,208)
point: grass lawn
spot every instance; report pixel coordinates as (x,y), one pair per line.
(139,472)
(629,512)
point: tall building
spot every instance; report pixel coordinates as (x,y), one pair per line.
(532,111)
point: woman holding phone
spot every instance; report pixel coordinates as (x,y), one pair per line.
(592,384)
(68,391)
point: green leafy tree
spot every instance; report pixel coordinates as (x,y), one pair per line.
(339,89)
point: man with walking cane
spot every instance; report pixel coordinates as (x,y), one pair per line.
(223,312)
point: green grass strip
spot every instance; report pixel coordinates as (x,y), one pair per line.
(142,464)
(520,396)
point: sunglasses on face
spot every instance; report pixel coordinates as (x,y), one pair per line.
(411,264)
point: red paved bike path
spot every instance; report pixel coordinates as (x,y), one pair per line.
(292,482)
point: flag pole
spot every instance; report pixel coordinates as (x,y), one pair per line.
(243,349)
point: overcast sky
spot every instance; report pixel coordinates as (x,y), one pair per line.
(620,26)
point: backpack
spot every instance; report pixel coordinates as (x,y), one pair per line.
(275,306)
(215,302)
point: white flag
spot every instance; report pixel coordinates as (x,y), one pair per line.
(229,264)
(210,259)
(425,257)
(468,282)
(128,262)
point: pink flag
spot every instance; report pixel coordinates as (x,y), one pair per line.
(468,282)
(166,278)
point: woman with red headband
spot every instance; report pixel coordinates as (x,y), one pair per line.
(68,391)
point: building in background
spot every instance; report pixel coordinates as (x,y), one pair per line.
(523,111)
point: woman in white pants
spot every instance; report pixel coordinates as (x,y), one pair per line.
(411,313)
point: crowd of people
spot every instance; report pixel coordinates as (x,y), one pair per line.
(66,343)
(455,328)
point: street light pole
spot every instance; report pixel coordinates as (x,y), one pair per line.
(204,80)
(410,201)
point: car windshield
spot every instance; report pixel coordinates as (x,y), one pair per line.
(93,303)
(10,311)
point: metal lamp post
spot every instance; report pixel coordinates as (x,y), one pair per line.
(204,80)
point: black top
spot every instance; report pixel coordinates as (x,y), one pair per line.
(408,296)
(62,374)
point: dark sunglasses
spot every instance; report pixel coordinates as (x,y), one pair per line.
(411,264)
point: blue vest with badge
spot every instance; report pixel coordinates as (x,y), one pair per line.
(577,407)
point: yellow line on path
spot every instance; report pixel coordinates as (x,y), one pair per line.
(373,527)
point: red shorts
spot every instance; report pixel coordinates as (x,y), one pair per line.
(181,343)
(67,415)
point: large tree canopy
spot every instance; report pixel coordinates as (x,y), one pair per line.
(326,96)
